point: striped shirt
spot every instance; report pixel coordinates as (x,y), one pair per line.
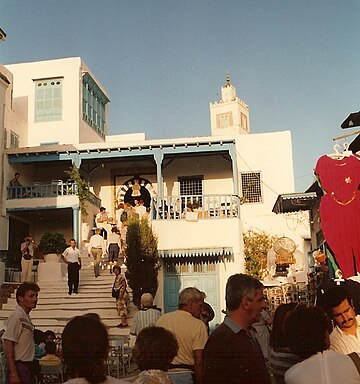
(280,362)
(144,318)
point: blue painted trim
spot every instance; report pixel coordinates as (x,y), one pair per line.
(22,209)
(119,152)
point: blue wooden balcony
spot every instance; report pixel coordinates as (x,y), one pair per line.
(42,190)
(196,207)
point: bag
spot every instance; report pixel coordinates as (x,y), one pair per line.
(27,255)
(115,293)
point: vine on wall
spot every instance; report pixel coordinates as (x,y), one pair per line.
(82,187)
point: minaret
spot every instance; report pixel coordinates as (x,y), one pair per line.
(230,115)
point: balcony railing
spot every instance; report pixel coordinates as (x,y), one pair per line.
(195,207)
(56,188)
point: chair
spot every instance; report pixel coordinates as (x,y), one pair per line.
(119,356)
(55,371)
(34,269)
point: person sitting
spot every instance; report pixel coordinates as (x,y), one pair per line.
(15,181)
(50,359)
(39,339)
(49,336)
(85,344)
(308,332)
(103,221)
(154,349)
(147,316)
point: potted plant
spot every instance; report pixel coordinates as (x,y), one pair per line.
(52,246)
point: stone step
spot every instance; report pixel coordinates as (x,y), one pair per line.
(55,307)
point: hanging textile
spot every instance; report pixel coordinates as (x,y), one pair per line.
(340,209)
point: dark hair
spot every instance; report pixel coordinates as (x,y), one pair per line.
(102,209)
(25,287)
(17,173)
(333,297)
(72,240)
(39,336)
(116,267)
(155,348)
(85,344)
(50,347)
(278,337)
(306,330)
(239,286)
(50,333)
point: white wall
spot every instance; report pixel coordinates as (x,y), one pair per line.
(71,129)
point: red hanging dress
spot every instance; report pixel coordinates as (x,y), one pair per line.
(340,209)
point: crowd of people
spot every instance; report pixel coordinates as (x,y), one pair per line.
(308,344)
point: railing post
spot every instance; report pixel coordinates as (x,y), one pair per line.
(76,224)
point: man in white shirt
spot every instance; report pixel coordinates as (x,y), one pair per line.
(97,249)
(71,256)
(18,337)
(345,337)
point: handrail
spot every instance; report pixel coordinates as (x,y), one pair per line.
(53,189)
(194,207)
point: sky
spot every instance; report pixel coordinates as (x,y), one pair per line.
(295,63)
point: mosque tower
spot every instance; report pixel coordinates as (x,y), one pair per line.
(230,115)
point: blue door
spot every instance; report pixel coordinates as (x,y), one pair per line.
(202,276)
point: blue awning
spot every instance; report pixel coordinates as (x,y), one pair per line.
(196,255)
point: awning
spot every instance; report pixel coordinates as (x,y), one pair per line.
(294,202)
(196,255)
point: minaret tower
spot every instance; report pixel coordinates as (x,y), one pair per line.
(230,115)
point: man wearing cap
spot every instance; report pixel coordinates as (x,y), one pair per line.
(148,315)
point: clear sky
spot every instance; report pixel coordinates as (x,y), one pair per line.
(295,63)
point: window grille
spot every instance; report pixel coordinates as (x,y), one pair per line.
(251,187)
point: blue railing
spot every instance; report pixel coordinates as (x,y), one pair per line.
(195,207)
(56,188)
(42,190)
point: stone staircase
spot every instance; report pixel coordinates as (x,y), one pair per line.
(55,307)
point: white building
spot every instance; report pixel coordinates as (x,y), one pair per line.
(229,179)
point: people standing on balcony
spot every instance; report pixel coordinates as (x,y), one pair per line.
(104,220)
(27,254)
(18,338)
(114,246)
(71,256)
(15,181)
(97,249)
(119,287)
(140,209)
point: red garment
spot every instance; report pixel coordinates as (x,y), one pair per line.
(340,209)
